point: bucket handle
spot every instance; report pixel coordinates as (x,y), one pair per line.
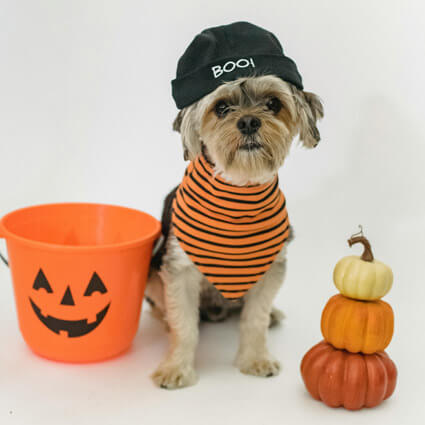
(1,256)
(4,260)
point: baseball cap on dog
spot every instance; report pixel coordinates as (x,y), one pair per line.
(225,53)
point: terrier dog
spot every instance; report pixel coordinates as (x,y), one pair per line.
(244,128)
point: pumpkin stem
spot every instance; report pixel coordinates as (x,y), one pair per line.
(367,253)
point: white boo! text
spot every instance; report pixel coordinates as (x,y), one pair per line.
(229,66)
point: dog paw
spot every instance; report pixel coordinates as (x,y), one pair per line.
(276,316)
(171,376)
(259,366)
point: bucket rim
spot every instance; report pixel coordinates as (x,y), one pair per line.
(151,236)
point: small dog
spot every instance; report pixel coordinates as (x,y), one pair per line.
(275,112)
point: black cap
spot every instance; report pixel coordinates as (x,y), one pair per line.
(225,53)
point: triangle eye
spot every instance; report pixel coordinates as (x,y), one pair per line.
(95,284)
(41,282)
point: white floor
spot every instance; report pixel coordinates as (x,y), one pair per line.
(39,392)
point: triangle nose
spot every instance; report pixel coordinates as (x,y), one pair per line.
(67,298)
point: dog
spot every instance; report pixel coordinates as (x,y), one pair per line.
(244,128)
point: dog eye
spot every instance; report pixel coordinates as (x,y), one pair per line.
(274,104)
(221,108)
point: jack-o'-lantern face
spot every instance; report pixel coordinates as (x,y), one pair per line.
(71,328)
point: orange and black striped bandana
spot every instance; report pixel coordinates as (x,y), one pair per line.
(232,233)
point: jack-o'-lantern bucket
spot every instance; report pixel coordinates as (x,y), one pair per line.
(79,272)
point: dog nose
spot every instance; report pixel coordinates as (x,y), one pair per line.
(248,124)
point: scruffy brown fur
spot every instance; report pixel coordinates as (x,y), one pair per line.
(199,125)
(221,125)
(220,138)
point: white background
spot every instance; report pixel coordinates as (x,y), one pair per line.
(85,115)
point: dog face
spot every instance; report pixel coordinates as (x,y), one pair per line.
(245,127)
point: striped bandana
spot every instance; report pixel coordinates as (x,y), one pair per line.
(232,233)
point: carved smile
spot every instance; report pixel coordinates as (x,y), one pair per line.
(73,328)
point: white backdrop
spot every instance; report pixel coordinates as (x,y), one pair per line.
(85,115)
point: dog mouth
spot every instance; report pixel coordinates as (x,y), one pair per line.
(70,328)
(250,145)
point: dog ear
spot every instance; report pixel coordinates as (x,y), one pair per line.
(177,123)
(310,110)
(186,124)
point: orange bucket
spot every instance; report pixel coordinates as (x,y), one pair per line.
(79,272)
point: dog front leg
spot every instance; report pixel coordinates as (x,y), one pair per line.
(182,292)
(253,357)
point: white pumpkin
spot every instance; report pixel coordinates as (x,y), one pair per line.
(362,278)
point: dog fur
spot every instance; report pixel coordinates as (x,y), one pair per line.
(178,292)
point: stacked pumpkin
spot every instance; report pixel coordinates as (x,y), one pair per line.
(350,367)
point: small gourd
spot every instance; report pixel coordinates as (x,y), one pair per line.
(362,278)
(357,326)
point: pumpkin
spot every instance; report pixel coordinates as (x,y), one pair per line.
(340,378)
(363,278)
(357,326)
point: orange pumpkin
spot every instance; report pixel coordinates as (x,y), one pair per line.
(357,326)
(340,378)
